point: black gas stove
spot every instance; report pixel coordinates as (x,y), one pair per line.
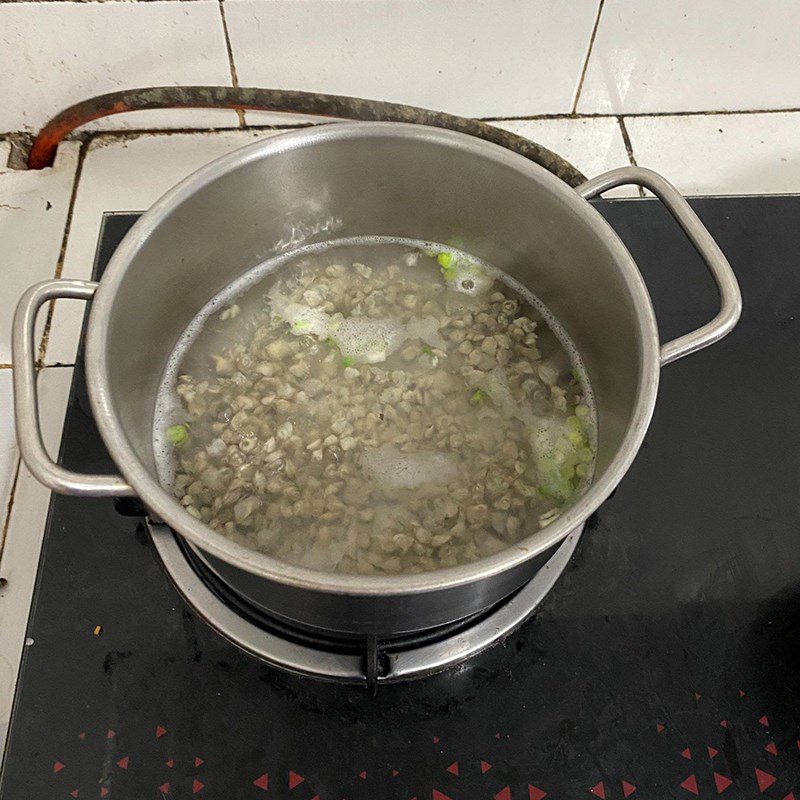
(665,662)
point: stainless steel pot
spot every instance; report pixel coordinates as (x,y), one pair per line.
(344,180)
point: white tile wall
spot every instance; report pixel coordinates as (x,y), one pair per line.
(504,58)
(33,212)
(721,154)
(125,175)
(54,54)
(592,145)
(694,55)
(508,57)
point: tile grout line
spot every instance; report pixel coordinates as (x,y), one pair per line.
(231,62)
(9,506)
(720,112)
(627,140)
(134,132)
(586,60)
(628,146)
(62,253)
(55,365)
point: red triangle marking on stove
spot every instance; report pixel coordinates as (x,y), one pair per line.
(690,784)
(160,731)
(771,748)
(171,763)
(503,794)
(485,766)
(724,723)
(363,775)
(697,695)
(395,773)
(197,761)
(164,788)
(764,779)
(789,796)
(453,768)
(437,795)
(110,734)
(686,753)
(295,779)
(262,782)
(741,693)
(599,790)
(82,735)
(104,790)
(123,762)
(722,782)
(798,744)
(73,793)
(659,727)
(628,788)
(436,740)
(764,721)
(58,766)
(535,793)
(196,786)
(315,797)
(712,751)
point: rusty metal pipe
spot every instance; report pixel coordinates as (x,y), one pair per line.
(285,101)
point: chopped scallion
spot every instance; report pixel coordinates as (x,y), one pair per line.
(444,259)
(178,434)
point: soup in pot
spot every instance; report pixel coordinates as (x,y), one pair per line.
(375,406)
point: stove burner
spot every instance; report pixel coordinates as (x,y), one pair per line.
(368,660)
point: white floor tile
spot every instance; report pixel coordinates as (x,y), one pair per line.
(8,444)
(20,553)
(55,54)
(507,57)
(125,175)
(685,55)
(33,212)
(721,154)
(592,145)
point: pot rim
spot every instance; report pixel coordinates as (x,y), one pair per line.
(163,504)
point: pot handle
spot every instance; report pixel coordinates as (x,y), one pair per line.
(26,405)
(698,235)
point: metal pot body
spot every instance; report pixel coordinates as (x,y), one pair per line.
(346,180)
